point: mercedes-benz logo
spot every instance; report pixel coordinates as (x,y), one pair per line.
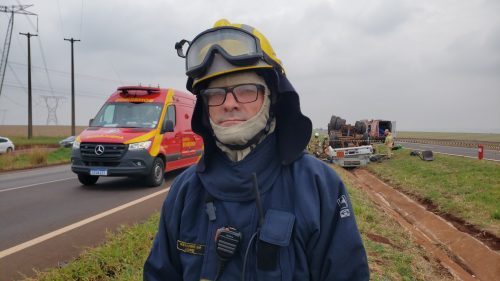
(99,150)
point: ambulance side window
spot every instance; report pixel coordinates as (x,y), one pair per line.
(170,114)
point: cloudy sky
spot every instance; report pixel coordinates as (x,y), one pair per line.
(431,65)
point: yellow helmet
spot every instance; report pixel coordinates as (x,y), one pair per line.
(227,48)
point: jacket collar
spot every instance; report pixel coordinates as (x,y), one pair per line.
(232,181)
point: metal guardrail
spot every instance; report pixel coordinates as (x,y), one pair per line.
(459,143)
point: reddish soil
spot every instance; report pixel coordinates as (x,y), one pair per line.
(457,250)
(381,239)
(490,239)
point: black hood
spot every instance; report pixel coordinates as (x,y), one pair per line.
(293,129)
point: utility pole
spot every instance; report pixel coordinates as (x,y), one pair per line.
(30,119)
(72,86)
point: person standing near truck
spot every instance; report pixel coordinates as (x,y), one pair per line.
(389,142)
(314,145)
(256,206)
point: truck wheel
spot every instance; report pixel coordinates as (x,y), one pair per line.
(339,122)
(332,120)
(155,177)
(331,125)
(87,179)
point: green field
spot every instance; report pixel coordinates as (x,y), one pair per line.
(37,157)
(451,136)
(35,140)
(466,188)
(396,258)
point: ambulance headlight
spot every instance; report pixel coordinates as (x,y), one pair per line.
(76,144)
(139,145)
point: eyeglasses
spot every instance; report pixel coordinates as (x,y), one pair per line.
(243,93)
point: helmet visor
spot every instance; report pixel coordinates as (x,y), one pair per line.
(235,45)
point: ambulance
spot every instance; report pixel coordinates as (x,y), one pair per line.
(139,132)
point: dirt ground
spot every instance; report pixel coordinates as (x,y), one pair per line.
(464,256)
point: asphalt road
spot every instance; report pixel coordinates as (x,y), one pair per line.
(451,150)
(47,217)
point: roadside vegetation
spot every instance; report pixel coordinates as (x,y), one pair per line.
(463,187)
(392,255)
(20,141)
(120,258)
(36,157)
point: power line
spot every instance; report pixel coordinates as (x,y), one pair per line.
(13,101)
(60,17)
(76,73)
(40,45)
(19,81)
(80,92)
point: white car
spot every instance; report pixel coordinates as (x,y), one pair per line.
(6,145)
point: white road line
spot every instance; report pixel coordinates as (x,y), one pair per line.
(428,146)
(70,227)
(40,183)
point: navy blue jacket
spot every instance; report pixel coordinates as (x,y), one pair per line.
(308,233)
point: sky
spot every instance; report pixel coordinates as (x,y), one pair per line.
(429,65)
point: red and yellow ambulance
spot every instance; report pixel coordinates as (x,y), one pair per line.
(139,132)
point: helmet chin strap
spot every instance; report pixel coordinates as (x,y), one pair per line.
(254,140)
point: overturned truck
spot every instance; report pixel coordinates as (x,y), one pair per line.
(363,132)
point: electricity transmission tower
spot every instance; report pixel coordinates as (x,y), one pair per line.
(52,102)
(17,9)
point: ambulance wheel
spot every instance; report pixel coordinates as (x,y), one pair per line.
(87,179)
(155,177)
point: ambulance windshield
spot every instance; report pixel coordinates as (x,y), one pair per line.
(128,115)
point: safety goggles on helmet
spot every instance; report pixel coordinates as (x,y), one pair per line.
(237,46)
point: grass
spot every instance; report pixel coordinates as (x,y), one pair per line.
(463,187)
(397,257)
(36,140)
(123,255)
(120,258)
(451,136)
(35,158)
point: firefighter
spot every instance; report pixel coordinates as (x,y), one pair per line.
(389,142)
(314,145)
(255,207)
(324,148)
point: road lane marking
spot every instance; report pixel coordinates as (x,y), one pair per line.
(30,185)
(70,227)
(428,146)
